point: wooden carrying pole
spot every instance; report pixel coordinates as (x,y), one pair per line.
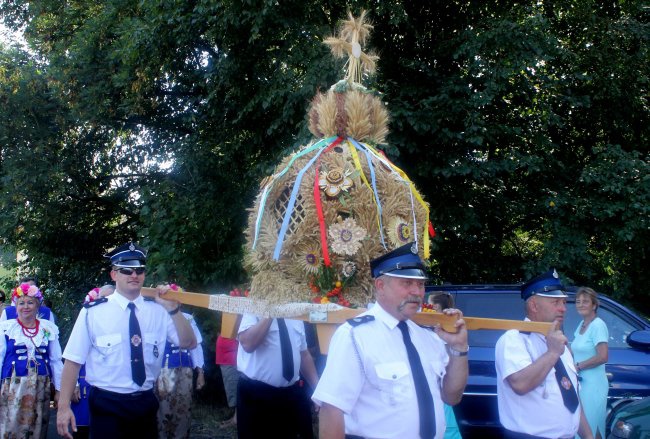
(325,328)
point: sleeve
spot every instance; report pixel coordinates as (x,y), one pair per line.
(195,328)
(197,356)
(79,343)
(3,346)
(172,333)
(54,351)
(343,377)
(247,320)
(600,334)
(511,354)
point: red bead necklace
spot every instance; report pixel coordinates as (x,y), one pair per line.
(30,332)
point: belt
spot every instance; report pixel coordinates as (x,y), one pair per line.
(132,395)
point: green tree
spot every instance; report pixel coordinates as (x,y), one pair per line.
(525,125)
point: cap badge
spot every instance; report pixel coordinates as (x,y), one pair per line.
(132,247)
(555,275)
(414,248)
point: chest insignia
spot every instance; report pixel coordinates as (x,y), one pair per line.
(136,340)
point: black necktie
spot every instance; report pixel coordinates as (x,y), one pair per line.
(569,395)
(422,391)
(137,357)
(285,349)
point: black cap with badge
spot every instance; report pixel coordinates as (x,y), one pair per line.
(401,262)
(129,255)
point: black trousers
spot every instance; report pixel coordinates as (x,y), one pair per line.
(116,415)
(267,411)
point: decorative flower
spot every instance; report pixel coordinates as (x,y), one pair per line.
(399,231)
(346,236)
(46,334)
(175,287)
(236,292)
(335,181)
(310,260)
(92,295)
(348,269)
(26,289)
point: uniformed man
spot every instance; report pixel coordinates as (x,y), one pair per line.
(536,379)
(121,340)
(387,377)
(271,356)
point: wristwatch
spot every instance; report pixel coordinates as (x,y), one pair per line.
(172,312)
(456,353)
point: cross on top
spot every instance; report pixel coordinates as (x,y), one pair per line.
(352,35)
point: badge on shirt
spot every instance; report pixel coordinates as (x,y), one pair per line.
(136,340)
(566,383)
(155,351)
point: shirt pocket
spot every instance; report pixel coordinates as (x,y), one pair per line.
(154,347)
(110,348)
(394,382)
(438,371)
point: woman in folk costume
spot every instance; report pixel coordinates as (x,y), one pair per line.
(174,385)
(31,357)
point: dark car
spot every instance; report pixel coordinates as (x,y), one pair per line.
(628,368)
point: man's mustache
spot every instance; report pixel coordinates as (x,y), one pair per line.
(413,299)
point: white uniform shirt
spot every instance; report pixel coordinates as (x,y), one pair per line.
(373,384)
(100,339)
(540,412)
(265,363)
(48,330)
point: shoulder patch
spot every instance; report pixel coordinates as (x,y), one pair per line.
(148,299)
(95,302)
(360,320)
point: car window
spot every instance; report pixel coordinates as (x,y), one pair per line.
(496,306)
(618,328)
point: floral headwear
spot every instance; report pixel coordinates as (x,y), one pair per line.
(26,289)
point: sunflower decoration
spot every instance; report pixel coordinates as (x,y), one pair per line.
(399,231)
(346,237)
(337,202)
(309,259)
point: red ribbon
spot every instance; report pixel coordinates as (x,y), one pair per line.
(432,232)
(319,206)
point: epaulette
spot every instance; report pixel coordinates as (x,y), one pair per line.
(95,302)
(360,320)
(149,299)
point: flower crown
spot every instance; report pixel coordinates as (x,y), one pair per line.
(26,289)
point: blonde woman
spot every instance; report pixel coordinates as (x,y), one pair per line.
(590,353)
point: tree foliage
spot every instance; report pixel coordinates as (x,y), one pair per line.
(525,125)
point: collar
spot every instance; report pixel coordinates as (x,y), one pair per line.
(123,302)
(382,315)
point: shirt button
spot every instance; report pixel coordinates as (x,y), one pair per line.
(394,377)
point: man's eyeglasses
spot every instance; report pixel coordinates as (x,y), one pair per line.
(129,271)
